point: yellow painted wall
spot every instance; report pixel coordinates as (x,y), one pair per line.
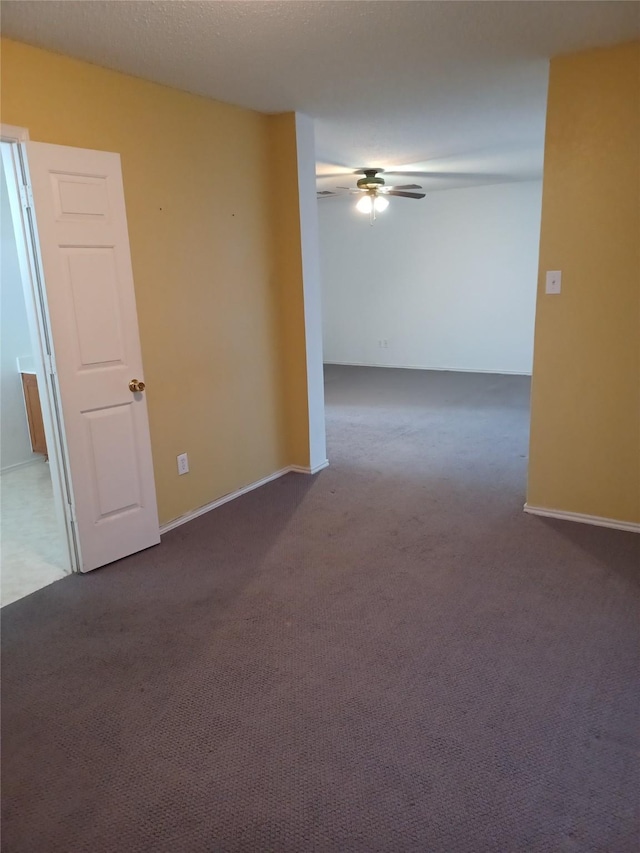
(207,265)
(284,188)
(585,419)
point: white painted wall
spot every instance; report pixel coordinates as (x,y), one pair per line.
(449,281)
(15,446)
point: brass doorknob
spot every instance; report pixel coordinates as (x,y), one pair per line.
(135,385)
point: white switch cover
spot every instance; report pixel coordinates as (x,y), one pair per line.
(183,464)
(554,281)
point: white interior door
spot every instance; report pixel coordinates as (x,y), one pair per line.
(78,200)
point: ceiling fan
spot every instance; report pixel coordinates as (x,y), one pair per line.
(372,191)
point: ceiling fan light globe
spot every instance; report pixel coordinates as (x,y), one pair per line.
(380,204)
(365,204)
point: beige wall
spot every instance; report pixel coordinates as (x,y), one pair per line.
(585,424)
(217,291)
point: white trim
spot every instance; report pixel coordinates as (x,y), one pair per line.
(440,369)
(39,460)
(596,520)
(300,469)
(14,161)
(189,516)
(12,133)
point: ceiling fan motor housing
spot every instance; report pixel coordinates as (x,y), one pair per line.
(371,181)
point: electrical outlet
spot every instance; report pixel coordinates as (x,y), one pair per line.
(384,343)
(183,464)
(553,283)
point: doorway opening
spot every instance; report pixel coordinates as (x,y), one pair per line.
(68,214)
(37,541)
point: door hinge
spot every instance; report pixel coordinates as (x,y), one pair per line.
(26,195)
(72,514)
(51,364)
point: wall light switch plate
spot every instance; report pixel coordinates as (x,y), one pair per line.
(554,281)
(183,464)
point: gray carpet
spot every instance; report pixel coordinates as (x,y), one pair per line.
(390,657)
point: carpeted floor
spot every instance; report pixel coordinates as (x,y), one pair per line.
(390,656)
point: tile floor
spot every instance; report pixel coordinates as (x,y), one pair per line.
(31,546)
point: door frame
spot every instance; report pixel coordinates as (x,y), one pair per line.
(14,159)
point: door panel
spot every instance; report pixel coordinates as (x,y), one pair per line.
(111,435)
(82,229)
(94,285)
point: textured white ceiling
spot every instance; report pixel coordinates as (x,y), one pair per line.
(454,87)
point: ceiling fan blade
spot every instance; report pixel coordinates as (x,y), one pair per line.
(328,194)
(474,176)
(320,175)
(406,195)
(403,187)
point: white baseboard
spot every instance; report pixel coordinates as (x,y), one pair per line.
(189,516)
(437,369)
(598,521)
(27,464)
(299,469)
